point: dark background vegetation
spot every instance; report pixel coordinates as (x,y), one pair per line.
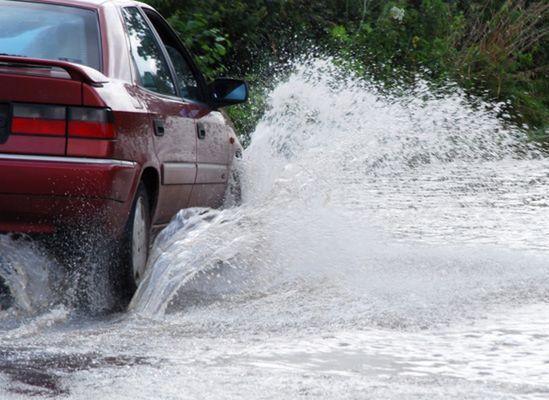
(496,49)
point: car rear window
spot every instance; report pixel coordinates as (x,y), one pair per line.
(50,31)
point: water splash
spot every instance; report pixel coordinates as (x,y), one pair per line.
(387,244)
(363,208)
(31,276)
(37,276)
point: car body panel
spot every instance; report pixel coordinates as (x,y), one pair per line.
(44,191)
(40,194)
(175,151)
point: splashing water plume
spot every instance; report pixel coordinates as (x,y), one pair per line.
(362,208)
(389,244)
(30,275)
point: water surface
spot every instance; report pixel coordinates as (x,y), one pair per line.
(387,247)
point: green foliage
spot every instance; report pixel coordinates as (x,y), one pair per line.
(495,48)
(209,45)
(505,51)
(403,38)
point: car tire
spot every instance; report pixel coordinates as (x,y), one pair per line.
(135,243)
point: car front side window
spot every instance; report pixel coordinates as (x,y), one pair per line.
(153,71)
(188,85)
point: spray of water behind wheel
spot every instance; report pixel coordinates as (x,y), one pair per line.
(72,268)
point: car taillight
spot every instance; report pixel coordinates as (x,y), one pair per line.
(83,122)
(31,119)
(85,131)
(90,123)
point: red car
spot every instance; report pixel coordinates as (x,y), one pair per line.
(106,121)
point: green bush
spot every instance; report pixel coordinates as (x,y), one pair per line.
(494,48)
(208,43)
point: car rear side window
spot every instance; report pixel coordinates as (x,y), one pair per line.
(154,73)
(50,31)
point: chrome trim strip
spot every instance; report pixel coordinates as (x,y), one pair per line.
(182,173)
(208,166)
(71,160)
(212,173)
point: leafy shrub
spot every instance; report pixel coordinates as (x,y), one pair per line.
(495,48)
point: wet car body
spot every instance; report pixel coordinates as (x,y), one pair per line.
(77,143)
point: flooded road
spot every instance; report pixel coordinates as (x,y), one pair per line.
(387,247)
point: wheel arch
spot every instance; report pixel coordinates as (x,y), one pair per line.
(151,180)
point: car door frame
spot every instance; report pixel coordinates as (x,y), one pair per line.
(177,179)
(212,170)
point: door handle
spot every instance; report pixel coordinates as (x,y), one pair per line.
(200,131)
(159,127)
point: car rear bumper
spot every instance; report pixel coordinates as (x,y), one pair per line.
(38,193)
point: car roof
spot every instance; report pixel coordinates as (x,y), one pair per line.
(90,3)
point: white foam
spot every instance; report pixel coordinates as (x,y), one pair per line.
(362,208)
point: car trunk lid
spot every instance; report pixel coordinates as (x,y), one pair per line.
(35,98)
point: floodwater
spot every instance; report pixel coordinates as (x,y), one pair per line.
(388,247)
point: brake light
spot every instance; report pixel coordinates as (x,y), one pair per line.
(31,119)
(89,130)
(91,123)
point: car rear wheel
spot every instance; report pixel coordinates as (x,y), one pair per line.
(136,241)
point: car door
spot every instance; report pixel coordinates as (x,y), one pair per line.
(213,158)
(212,133)
(172,117)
